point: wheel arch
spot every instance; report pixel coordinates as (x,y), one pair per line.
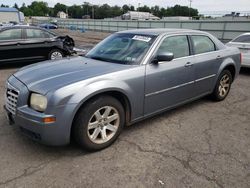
(117,94)
(230,65)
(232,70)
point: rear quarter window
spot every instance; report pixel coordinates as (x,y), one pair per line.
(202,44)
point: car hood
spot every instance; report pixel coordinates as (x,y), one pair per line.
(46,76)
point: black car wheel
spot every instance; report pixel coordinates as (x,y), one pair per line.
(223,86)
(55,54)
(98,124)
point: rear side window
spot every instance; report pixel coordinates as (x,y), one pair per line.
(243,39)
(178,45)
(11,34)
(35,33)
(202,44)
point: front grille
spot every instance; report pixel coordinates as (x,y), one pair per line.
(11,100)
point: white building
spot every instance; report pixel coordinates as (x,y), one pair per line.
(10,14)
(134,15)
(62,14)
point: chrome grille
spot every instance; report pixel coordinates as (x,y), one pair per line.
(11,100)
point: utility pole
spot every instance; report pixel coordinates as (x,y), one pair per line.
(93,12)
(190,5)
(139,10)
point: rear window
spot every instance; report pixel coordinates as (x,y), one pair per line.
(202,44)
(35,33)
(11,34)
(243,39)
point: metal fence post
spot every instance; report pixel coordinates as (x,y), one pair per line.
(224,30)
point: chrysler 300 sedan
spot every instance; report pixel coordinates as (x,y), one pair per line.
(129,76)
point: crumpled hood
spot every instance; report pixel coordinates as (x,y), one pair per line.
(46,76)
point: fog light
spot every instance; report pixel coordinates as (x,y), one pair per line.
(49,120)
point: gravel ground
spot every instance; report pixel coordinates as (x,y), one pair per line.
(202,144)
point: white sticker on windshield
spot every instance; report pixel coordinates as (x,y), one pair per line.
(142,38)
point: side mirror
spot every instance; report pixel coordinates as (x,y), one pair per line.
(166,56)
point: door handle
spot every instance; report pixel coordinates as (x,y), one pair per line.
(188,64)
(218,57)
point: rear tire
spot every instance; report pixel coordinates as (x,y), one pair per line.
(99,123)
(55,54)
(223,86)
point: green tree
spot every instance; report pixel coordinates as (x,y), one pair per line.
(16,6)
(39,8)
(145,8)
(2,5)
(26,11)
(125,8)
(75,11)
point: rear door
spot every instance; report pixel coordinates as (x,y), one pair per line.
(207,62)
(168,84)
(10,44)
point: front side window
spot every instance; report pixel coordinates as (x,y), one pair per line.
(243,39)
(178,45)
(124,48)
(11,34)
(202,44)
(35,33)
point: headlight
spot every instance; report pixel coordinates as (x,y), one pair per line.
(38,102)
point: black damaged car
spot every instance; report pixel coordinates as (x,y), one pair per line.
(26,43)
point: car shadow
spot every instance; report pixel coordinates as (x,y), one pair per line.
(167,114)
(245,71)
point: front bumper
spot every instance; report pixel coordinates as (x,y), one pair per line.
(31,123)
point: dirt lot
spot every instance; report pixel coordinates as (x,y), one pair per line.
(83,40)
(202,144)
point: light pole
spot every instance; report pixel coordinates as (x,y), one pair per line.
(139,10)
(93,12)
(190,5)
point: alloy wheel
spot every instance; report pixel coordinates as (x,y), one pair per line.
(56,55)
(103,124)
(224,85)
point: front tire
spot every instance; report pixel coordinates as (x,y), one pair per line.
(223,86)
(98,123)
(55,54)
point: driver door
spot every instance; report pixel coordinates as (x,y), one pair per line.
(170,83)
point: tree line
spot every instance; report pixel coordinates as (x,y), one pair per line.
(40,8)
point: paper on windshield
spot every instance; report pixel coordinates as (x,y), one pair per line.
(142,38)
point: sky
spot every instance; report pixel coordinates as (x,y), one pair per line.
(201,5)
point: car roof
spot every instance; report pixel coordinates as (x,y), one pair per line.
(19,26)
(25,27)
(161,31)
(244,34)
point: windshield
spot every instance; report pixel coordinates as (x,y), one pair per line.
(122,48)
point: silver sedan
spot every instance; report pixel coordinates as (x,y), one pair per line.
(243,43)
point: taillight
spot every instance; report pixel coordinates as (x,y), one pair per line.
(240,58)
